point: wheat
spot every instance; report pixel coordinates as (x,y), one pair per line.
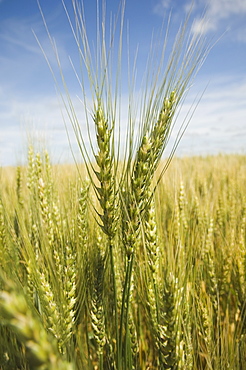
(116,266)
(184,308)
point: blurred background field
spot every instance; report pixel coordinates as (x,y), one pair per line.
(54,257)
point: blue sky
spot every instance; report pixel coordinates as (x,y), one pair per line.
(29,105)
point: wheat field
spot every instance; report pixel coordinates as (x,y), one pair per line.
(68,299)
(126,261)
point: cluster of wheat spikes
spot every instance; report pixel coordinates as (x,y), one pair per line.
(113,269)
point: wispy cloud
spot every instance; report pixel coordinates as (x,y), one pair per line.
(222,9)
(17,36)
(162,6)
(217,13)
(218,124)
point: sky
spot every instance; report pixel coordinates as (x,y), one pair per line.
(30,107)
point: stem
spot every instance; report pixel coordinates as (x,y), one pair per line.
(125,300)
(118,359)
(127,308)
(101,361)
